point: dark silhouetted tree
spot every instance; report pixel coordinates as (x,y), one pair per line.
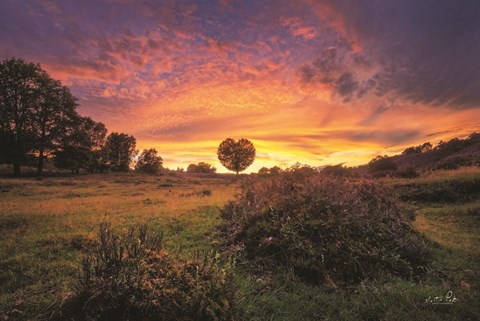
(96,133)
(451,146)
(270,171)
(264,171)
(34,112)
(335,170)
(120,151)
(82,146)
(236,155)
(71,157)
(275,170)
(149,162)
(382,165)
(55,112)
(201,167)
(425,147)
(19,96)
(6,147)
(473,138)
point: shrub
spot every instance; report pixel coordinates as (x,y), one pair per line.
(204,192)
(445,191)
(335,170)
(201,167)
(131,277)
(381,166)
(454,163)
(425,147)
(149,162)
(409,172)
(270,171)
(326,229)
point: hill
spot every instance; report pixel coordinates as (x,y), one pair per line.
(452,154)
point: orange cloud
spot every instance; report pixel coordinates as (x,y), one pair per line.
(298,79)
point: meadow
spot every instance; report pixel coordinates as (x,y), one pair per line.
(48,224)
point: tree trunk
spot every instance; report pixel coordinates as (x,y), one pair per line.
(40,163)
(16,168)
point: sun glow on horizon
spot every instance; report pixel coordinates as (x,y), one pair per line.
(312,82)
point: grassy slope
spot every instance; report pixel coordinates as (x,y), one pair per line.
(45,226)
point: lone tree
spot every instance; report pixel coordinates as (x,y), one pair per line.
(149,162)
(236,155)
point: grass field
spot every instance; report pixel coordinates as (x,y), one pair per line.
(46,225)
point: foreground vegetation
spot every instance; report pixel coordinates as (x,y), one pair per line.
(48,226)
(329,230)
(452,232)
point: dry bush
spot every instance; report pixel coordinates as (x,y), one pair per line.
(131,277)
(326,229)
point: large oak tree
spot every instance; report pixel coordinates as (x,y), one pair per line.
(19,96)
(34,112)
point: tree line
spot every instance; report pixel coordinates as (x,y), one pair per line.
(39,120)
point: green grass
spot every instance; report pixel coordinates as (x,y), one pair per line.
(457,186)
(47,225)
(453,234)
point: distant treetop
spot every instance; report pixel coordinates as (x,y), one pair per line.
(201,167)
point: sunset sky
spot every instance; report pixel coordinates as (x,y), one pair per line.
(318,82)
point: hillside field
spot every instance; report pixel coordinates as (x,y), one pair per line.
(47,225)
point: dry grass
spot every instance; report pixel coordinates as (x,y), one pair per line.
(46,225)
(463,223)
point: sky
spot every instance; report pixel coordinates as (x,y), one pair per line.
(312,81)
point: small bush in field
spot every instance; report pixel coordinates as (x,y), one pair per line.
(205,192)
(131,277)
(326,229)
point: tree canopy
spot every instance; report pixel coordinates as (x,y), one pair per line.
(149,161)
(236,155)
(82,146)
(33,111)
(201,167)
(382,164)
(120,151)
(423,148)
(270,171)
